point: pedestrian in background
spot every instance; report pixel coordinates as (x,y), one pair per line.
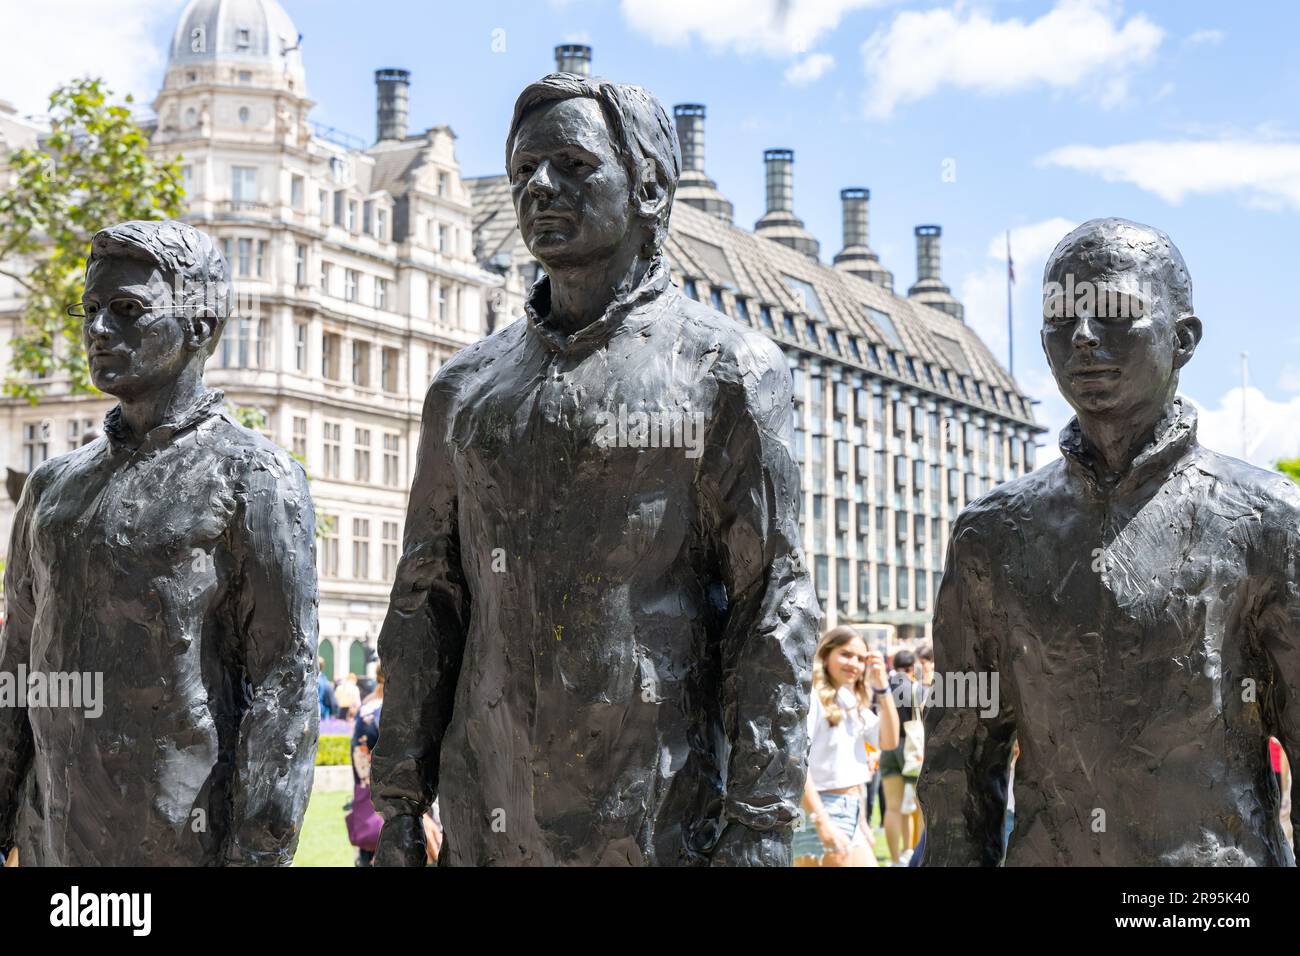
(845,735)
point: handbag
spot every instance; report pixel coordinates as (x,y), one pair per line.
(364,822)
(914,737)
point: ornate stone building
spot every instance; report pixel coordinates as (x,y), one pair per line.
(355,279)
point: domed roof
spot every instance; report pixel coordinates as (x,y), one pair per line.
(256,31)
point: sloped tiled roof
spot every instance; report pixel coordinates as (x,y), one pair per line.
(705,248)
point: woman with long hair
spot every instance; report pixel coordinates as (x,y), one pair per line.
(846,735)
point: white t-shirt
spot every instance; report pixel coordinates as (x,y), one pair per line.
(838,757)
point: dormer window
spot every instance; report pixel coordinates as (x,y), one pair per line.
(245,38)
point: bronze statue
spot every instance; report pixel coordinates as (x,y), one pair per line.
(600,634)
(171,561)
(1137,597)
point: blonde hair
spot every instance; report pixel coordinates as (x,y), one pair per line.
(822,687)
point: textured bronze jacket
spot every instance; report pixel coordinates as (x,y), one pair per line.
(597,652)
(1147,638)
(183,571)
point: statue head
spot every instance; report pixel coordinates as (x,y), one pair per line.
(155,303)
(593,166)
(1117,319)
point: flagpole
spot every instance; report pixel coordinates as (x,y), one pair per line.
(1011,344)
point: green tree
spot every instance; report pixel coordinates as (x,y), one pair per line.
(93,169)
(1289,467)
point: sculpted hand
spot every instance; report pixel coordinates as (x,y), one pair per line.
(740,845)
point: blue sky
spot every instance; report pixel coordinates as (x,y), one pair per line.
(1041,113)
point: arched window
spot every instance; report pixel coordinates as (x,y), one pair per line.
(326,651)
(357,658)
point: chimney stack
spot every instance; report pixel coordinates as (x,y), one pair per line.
(929,288)
(393,88)
(780,179)
(573,58)
(690,134)
(779,223)
(927,252)
(856,258)
(694,187)
(854,203)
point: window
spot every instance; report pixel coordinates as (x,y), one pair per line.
(324,206)
(244,343)
(442,184)
(392,477)
(390,550)
(883,322)
(261,257)
(689,288)
(882,585)
(300,346)
(296,190)
(440,302)
(361,548)
(187,178)
(36,444)
(361,364)
(338,207)
(361,455)
(300,437)
(381,225)
(243,183)
(77,429)
(351,281)
(807,297)
(352,215)
(765,314)
(329,549)
(245,251)
(300,264)
(325,273)
(367,216)
(742,311)
(381,293)
(789,327)
(333,448)
(331,344)
(442,238)
(388,359)
(715,298)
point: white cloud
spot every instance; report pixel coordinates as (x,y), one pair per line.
(771,27)
(984,291)
(54,41)
(1211,37)
(809,70)
(1272,428)
(1076,43)
(1265,174)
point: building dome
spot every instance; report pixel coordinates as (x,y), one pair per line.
(251,34)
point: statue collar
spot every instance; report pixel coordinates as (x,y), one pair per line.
(208,404)
(537,308)
(1160,457)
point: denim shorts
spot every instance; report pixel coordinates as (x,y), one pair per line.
(843,809)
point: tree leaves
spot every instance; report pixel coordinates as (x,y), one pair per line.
(92,170)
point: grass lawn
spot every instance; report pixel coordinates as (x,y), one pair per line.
(324,840)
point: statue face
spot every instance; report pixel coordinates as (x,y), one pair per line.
(1110,337)
(570,188)
(135,341)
